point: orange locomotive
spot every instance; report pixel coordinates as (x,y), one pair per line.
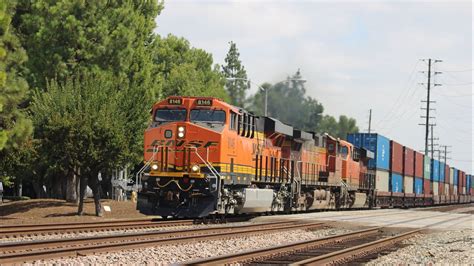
(204,156)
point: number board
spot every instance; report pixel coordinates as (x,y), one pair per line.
(175,101)
(204,102)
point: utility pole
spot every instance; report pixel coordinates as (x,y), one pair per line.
(432,143)
(428,101)
(370,119)
(445,148)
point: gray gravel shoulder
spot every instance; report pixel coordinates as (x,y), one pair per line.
(440,248)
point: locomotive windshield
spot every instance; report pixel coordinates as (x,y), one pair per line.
(207,116)
(170,115)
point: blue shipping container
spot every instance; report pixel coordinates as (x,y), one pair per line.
(468,183)
(396,182)
(418,185)
(455,179)
(441,172)
(375,143)
(434,170)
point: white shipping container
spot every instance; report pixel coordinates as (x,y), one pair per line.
(408,184)
(446,189)
(435,188)
(464,190)
(381,180)
(451,176)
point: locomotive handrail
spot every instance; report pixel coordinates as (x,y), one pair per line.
(209,166)
(137,176)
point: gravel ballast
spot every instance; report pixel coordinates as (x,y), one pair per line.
(447,247)
(168,254)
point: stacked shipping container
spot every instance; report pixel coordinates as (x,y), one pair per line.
(396,167)
(400,169)
(427,175)
(419,161)
(380,146)
(408,169)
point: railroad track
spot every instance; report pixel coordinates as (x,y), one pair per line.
(18,252)
(47,229)
(357,246)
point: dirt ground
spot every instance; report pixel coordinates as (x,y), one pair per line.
(39,211)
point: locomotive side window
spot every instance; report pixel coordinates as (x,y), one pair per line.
(239,124)
(233,121)
(344,151)
(170,115)
(207,116)
(244,125)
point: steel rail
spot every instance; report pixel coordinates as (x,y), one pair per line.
(53,228)
(271,251)
(349,254)
(118,246)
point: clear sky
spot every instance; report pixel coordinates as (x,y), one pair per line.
(355,55)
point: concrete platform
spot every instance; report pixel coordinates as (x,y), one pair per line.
(411,218)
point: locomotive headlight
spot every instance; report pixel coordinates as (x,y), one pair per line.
(154,166)
(195,168)
(180,132)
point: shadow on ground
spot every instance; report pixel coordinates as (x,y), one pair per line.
(17,207)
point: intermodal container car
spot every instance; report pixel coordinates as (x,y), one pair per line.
(396,157)
(377,144)
(434,170)
(396,184)
(408,162)
(427,168)
(418,185)
(419,157)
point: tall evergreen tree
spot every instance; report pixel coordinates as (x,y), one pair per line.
(14,126)
(233,69)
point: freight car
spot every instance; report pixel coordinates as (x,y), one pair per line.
(204,157)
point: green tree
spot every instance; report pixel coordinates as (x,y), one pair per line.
(66,37)
(69,36)
(82,127)
(287,101)
(15,128)
(184,70)
(234,71)
(339,128)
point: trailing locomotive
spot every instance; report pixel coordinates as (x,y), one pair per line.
(207,157)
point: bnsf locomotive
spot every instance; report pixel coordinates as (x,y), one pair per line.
(204,156)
